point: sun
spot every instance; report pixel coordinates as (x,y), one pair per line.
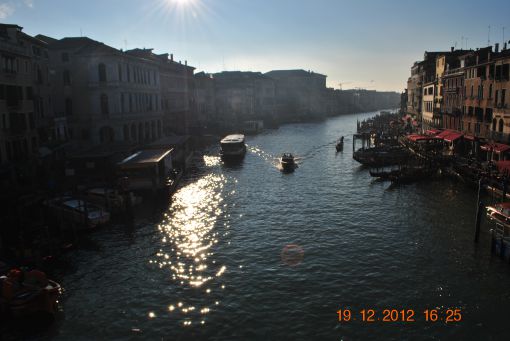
(182,2)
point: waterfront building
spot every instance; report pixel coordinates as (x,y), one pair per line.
(244,96)
(106,94)
(453,96)
(24,97)
(205,100)
(177,91)
(414,91)
(500,129)
(429,120)
(478,92)
(299,93)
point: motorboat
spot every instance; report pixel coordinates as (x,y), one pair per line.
(28,293)
(287,162)
(499,213)
(233,147)
(340,144)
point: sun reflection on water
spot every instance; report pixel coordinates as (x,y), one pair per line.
(189,231)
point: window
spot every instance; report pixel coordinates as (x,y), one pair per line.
(104,105)
(69,107)
(490,91)
(67,77)
(496,97)
(126,132)
(501,124)
(130,102)
(503,95)
(472,91)
(102,72)
(128,74)
(65,57)
(122,102)
(30,93)
(120,73)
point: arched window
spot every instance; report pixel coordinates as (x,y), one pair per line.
(147,131)
(126,132)
(133,132)
(494,124)
(102,72)
(67,77)
(501,123)
(104,105)
(140,132)
(69,106)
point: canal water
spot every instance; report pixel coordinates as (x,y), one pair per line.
(245,252)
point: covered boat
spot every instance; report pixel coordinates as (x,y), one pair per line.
(233,147)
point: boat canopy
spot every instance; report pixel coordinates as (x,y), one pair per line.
(495,147)
(236,138)
(145,157)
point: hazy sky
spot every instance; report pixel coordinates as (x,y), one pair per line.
(360,43)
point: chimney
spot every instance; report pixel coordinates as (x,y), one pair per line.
(496,48)
(453,48)
(172,57)
(186,62)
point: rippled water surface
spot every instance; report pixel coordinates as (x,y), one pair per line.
(245,252)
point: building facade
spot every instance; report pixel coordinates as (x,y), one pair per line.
(24,89)
(299,93)
(106,95)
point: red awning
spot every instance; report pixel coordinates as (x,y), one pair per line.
(449,135)
(432,131)
(503,166)
(417,137)
(452,137)
(495,147)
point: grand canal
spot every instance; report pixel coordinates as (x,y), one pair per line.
(247,253)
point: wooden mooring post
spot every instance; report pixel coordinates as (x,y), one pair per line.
(479,211)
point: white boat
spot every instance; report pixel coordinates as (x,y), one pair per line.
(233,146)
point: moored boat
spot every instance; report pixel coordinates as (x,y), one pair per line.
(28,294)
(412,174)
(233,147)
(499,213)
(381,156)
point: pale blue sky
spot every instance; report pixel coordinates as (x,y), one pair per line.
(361,43)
